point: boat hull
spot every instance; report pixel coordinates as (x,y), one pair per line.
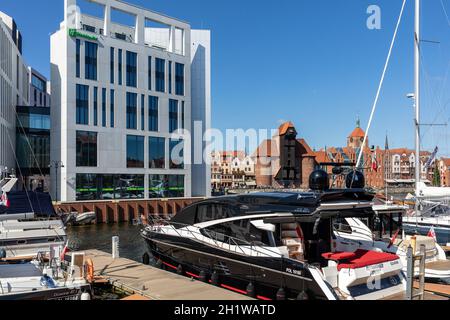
(65,293)
(235,272)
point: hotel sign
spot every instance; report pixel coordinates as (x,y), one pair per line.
(76,33)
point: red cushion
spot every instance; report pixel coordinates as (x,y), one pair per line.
(365,258)
(337,256)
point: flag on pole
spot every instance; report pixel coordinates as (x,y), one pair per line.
(432,233)
(65,250)
(4,200)
(432,158)
(374,162)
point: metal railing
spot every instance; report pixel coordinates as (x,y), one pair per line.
(157,224)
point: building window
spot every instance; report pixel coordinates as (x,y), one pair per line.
(173,115)
(135,151)
(131,110)
(149,73)
(157,153)
(95,106)
(78,49)
(112,107)
(109,186)
(104,107)
(160,66)
(182,115)
(176,154)
(153,107)
(111,69)
(142,112)
(90,60)
(86,149)
(131,69)
(166,186)
(82,104)
(170,77)
(120,66)
(38,83)
(179,79)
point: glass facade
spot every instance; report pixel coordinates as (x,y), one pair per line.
(119,63)
(131,110)
(157,153)
(112,108)
(104,107)
(111,68)
(173,115)
(135,151)
(86,149)
(153,106)
(90,60)
(109,187)
(160,74)
(179,79)
(38,83)
(33,140)
(77,58)
(166,186)
(131,69)
(176,154)
(82,104)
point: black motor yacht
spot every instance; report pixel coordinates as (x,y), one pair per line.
(276,245)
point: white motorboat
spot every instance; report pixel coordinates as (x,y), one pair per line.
(352,234)
(56,280)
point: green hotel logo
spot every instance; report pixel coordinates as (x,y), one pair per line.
(75,33)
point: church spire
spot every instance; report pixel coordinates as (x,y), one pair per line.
(386,145)
(358,123)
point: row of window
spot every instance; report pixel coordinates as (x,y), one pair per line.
(82,110)
(87,150)
(131,67)
(109,187)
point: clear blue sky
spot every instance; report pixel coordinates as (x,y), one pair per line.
(313,62)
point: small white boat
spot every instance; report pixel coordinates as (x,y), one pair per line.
(36,280)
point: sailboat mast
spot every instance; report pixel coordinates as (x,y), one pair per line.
(417,97)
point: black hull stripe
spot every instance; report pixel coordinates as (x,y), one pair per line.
(233,260)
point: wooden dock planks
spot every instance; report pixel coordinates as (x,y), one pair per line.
(153,283)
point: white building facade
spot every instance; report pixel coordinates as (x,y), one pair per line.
(13,88)
(121,96)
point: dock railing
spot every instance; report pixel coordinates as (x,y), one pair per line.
(411,293)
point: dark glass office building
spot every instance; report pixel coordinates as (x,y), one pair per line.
(33,147)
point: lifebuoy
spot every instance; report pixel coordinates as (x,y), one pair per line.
(89,270)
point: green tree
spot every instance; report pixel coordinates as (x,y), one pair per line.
(436,176)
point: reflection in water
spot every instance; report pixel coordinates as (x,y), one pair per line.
(99,237)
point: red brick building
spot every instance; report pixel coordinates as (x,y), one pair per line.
(284,161)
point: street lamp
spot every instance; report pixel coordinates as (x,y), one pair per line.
(56,164)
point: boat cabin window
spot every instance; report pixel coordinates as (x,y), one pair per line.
(239,232)
(384,226)
(341,225)
(213,211)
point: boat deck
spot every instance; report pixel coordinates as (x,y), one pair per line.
(442,265)
(153,283)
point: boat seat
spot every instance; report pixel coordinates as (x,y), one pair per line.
(359,258)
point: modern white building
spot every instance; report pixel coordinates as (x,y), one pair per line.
(13,88)
(119,95)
